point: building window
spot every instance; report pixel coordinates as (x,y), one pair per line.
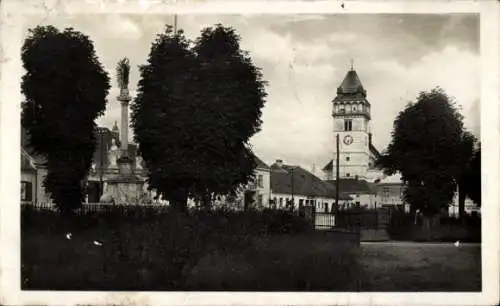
(347,158)
(260,200)
(281,202)
(348,174)
(301,202)
(26,191)
(260,181)
(385,192)
(348,125)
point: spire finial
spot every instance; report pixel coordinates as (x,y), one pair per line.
(352,64)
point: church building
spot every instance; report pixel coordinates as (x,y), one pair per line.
(351,112)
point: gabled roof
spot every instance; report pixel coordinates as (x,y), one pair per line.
(27,162)
(329,166)
(304,183)
(260,164)
(28,149)
(355,186)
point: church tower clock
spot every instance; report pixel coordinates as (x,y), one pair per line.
(351,121)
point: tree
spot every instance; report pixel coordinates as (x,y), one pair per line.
(425,149)
(162,116)
(194,114)
(468,180)
(233,94)
(474,177)
(65,89)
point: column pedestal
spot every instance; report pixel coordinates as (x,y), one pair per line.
(126,188)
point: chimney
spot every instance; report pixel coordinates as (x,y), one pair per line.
(279,163)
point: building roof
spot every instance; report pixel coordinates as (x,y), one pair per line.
(374,151)
(304,183)
(329,166)
(260,164)
(355,186)
(391,179)
(28,149)
(27,162)
(107,136)
(351,84)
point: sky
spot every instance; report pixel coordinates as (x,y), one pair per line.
(304,58)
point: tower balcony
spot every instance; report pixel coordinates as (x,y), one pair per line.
(343,112)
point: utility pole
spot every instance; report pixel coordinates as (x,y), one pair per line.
(293,175)
(101,151)
(337,181)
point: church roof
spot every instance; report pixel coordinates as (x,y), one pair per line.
(351,84)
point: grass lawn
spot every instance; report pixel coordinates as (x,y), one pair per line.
(230,253)
(419,267)
(146,256)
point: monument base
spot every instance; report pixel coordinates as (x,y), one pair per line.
(126,188)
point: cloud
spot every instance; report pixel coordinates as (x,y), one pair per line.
(454,70)
(305,57)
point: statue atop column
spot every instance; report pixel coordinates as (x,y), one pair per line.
(124,187)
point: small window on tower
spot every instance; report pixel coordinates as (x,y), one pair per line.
(348,174)
(347,158)
(354,108)
(348,125)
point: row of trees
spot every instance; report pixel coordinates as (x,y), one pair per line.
(434,154)
(197,106)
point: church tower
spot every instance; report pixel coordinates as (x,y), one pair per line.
(351,121)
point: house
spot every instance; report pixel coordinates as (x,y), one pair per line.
(390,192)
(259,191)
(297,187)
(33,172)
(362,192)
